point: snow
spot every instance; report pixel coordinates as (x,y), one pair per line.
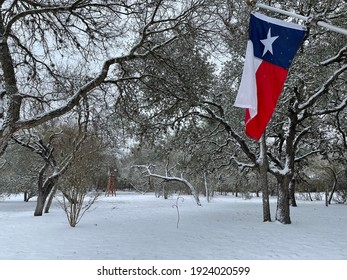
(133,226)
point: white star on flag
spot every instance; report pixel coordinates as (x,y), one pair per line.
(268,42)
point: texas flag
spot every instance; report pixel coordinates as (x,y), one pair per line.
(271,48)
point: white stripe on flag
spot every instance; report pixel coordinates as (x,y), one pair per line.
(247,94)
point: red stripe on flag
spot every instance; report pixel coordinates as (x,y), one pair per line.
(270,80)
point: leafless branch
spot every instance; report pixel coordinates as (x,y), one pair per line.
(323,89)
(341,56)
(147,168)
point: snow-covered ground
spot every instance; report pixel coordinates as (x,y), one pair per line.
(132,226)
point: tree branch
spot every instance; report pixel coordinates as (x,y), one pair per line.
(324,89)
(234,135)
(171,179)
(87,88)
(341,56)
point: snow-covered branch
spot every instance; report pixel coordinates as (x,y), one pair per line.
(297,159)
(300,135)
(338,108)
(149,173)
(39,9)
(341,56)
(88,87)
(340,129)
(85,30)
(37,146)
(212,115)
(323,89)
(34,8)
(242,165)
(275,161)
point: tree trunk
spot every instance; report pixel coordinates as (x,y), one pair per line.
(208,198)
(309,195)
(292,193)
(263,172)
(265,194)
(283,209)
(40,204)
(43,192)
(331,195)
(50,199)
(13,98)
(26,197)
(333,189)
(165,192)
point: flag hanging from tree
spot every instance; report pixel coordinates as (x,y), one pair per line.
(271,48)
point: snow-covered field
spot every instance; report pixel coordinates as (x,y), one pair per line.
(132,226)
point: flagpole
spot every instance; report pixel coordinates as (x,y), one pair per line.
(290,14)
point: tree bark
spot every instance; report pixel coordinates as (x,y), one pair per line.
(283,209)
(10,82)
(26,197)
(263,174)
(292,193)
(331,195)
(50,199)
(43,192)
(207,190)
(333,188)
(40,203)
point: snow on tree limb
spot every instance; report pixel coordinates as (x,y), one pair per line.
(86,89)
(341,131)
(323,89)
(338,108)
(310,153)
(43,9)
(148,22)
(300,135)
(341,56)
(170,179)
(212,115)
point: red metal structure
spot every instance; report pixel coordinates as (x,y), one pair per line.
(111,186)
